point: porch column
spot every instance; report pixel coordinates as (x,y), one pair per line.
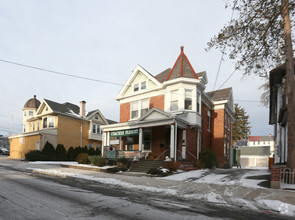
(172,133)
(108,138)
(175,142)
(183,144)
(140,142)
(120,142)
(104,143)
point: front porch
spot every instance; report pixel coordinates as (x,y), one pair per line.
(157,136)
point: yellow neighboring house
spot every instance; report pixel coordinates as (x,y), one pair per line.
(65,123)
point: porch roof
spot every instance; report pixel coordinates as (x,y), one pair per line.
(152,118)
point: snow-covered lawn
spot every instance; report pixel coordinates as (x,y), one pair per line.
(232,177)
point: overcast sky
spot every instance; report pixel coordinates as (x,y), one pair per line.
(105,40)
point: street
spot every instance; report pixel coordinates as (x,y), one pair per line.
(26,195)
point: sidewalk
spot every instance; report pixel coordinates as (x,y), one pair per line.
(270,200)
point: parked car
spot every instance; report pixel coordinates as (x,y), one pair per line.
(4,151)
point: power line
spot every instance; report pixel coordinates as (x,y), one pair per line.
(223,49)
(228,78)
(60,73)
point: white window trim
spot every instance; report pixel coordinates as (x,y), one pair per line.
(139,108)
(188,90)
(199,100)
(139,86)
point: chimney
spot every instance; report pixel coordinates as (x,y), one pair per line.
(82,108)
(35,101)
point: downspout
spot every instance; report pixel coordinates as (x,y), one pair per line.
(175,142)
(81,133)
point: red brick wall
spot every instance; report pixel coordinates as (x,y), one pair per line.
(124,112)
(191,142)
(206,140)
(218,135)
(160,136)
(157,102)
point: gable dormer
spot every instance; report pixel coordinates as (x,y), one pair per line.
(139,82)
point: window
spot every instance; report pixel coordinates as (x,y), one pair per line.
(174,100)
(33,126)
(225,119)
(129,142)
(224,150)
(93,129)
(209,121)
(31,113)
(96,117)
(51,123)
(144,106)
(44,122)
(134,110)
(188,100)
(24,128)
(135,87)
(90,146)
(38,126)
(143,85)
(98,131)
(25,113)
(199,103)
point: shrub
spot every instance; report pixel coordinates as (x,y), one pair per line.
(49,151)
(71,154)
(159,171)
(84,149)
(97,160)
(113,170)
(61,154)
(34,155)
(77,151)
(91,151)
(98,151)
(208,159)
(82,158)
(123,162)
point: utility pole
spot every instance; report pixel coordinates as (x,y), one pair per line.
(290,84)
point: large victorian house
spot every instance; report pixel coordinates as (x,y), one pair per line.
(170,116)
(57,123)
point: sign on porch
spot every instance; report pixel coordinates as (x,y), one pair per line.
(129,132)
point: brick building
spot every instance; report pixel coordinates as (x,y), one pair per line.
(171,115)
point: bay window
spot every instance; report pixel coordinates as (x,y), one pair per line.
(188,100)
(174,100)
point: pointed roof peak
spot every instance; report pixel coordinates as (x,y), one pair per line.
(182,68)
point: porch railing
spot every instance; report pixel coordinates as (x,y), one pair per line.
(187,153)
(165,151)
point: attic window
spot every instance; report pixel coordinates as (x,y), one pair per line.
(96,117)
(135,87)
(143,85)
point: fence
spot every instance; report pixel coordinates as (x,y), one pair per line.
(287,177)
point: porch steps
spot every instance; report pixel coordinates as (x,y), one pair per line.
(144,165)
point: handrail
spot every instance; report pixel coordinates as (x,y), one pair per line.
(161,154)
(187,152)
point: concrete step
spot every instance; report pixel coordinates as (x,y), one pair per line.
(144,165)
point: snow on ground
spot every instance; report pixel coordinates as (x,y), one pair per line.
(283,208)
(241,177)
(110,181)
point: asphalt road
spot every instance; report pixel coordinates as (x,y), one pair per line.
(25,195)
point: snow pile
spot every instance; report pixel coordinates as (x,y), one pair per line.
(54,162)
(275,205)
